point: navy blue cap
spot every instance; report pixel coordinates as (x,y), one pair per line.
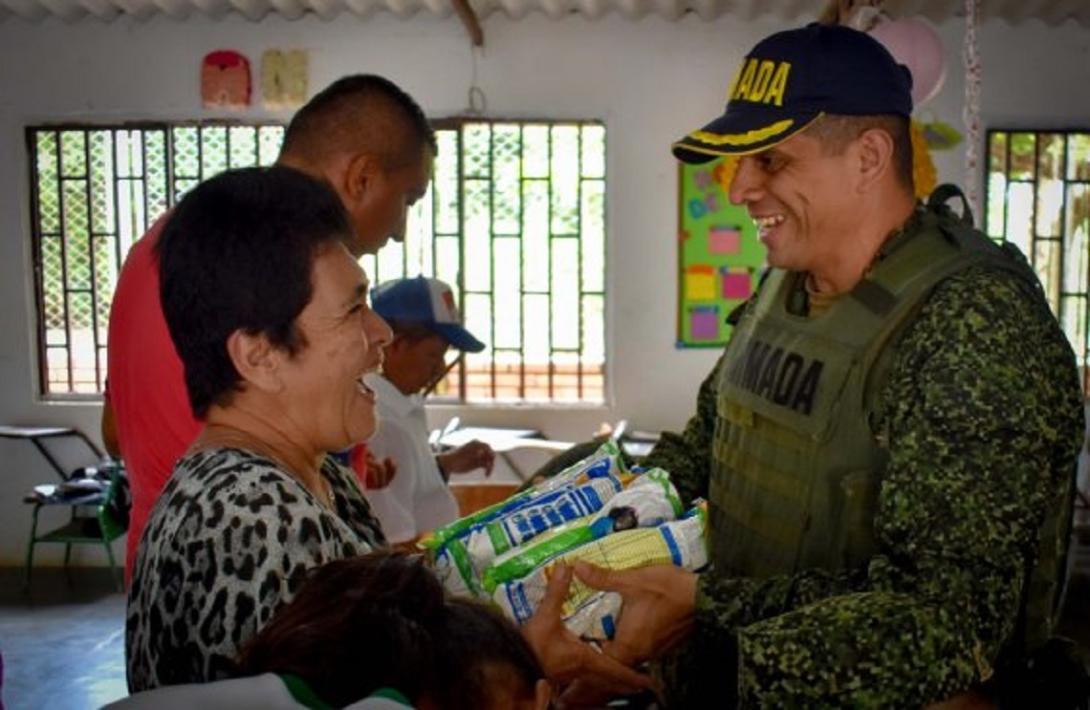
(790,79)
(427,302)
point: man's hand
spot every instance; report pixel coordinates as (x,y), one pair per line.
(379,474)
(657,609)
(563,656)
(468,457)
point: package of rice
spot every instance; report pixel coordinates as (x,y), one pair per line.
(596,619)
(606,462)
(681,542)
(649,500)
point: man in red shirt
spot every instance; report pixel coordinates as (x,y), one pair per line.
(372,143)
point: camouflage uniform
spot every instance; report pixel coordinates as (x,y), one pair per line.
(983,410)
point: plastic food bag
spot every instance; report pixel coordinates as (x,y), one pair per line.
(649,500)
(681,542)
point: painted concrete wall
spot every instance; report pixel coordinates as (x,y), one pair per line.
(649,80)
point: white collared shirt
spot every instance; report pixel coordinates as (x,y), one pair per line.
(418,499)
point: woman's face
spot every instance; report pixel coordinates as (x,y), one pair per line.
(343,340)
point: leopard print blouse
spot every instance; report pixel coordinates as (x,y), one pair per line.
(228,542)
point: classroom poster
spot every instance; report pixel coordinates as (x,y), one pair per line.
(720,258)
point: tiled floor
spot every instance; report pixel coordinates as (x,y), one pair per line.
(63,645)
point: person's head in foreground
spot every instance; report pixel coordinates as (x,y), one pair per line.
(268,310)
(372,143)
(818,121)
(382,621)
(426,324)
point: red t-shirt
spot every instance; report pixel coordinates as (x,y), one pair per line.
(155,423)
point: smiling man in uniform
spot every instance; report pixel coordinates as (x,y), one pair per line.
(888,442)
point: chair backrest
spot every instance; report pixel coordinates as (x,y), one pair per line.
(113,511)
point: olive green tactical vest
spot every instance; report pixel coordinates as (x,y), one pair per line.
(797,462)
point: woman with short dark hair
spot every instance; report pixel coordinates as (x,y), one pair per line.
(269,314)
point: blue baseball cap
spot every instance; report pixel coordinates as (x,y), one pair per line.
(427,302)
(790,79)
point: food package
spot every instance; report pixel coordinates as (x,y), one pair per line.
(649,500)
(588,611)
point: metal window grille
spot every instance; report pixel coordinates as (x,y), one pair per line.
(514,220)
(95,190)
(1038,197)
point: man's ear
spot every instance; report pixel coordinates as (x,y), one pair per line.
(875,157)
(359,176)
(256,360)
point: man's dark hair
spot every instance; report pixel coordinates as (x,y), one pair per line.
(363,112)
(236,254)
(837,131)
(357,625)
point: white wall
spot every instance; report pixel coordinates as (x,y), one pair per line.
(649,80)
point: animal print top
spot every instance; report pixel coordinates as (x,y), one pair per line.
(228,542)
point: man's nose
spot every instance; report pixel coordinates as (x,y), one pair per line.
(746,183)
(398,235)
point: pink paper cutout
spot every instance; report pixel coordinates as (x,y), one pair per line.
(724,240)
(737,286)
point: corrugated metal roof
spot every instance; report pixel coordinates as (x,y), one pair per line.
(1051,12)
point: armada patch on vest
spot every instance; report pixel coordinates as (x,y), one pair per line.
(781,376)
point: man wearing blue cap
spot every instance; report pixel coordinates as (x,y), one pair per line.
(425,322)
(888,442)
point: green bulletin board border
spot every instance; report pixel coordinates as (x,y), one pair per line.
(720,258)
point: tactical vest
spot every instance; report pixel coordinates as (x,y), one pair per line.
(798,458)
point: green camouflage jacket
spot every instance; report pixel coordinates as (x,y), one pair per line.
(985,420)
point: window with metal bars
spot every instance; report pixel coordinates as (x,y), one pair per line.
(514,220)
(94,190)
(1038,197)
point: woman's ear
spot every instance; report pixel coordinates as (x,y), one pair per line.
(875,157)
(256,360)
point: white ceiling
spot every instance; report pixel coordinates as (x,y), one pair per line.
(1013,11)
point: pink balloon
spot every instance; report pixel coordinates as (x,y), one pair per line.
(913,42)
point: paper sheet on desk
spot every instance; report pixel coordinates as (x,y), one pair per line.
(502,439)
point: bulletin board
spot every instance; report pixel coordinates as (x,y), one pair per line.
(720,257)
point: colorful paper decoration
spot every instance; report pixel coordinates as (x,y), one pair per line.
(913,42)
(225,80)
(700,283)
(737,285)
(724,240)
(720,257)
(698,207)
(970,111)
(704,322)
(940,135)
(284,78)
